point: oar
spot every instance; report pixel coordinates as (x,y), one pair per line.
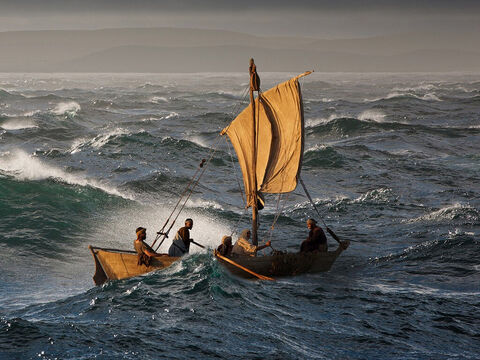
(261,277)
(193,242)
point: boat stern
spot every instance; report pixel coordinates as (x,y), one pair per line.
(100,276)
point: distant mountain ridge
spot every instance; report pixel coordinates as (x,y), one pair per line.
(194,50)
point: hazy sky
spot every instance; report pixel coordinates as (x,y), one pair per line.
(319,18)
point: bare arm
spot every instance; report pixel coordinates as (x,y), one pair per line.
(261,247)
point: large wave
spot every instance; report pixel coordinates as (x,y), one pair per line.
(22,166)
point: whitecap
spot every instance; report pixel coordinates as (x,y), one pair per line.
(377,196)
(449,213)
(322,121)
(173,114)
(431,97)
(158,99)
(420,87)
(69,109)
(18,124)
(204,204)
(372,115)
(98,141)
(316,147)
(397,94)
(22,166)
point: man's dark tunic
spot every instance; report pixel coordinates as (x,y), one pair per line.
(316,241)
(185,234)
(225,250)
(140,248)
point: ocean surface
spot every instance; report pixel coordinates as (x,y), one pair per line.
(391,160)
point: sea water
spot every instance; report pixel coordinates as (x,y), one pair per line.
(392,162)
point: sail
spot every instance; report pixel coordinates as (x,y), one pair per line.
(280,139)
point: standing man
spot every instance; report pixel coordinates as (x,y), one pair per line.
(145,252)
(316,240)
(181,242)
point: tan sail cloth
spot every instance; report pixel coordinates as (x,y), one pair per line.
(280,138)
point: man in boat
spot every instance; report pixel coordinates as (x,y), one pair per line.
(226,246)
(181,242)
(243,247)
(144,251)
(316,240)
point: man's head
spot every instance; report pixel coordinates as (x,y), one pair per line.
(141,233)
(311,223)
(189,223)
(246,234)
(227,240)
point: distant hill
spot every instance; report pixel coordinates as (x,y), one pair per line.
(194,50)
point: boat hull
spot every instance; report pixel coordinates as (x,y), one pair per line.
(284,264)
(115,264)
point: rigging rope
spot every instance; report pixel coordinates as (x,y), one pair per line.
(236,175)
(330,231)
(161,232)
(212,153)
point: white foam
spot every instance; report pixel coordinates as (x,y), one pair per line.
(445,213)
(171,115)
(372,115)
(98,141)
(206,230)
(397,94)
(316,147)
(430,97)
(18,124)
(421,290)
(198,140)
(204,204)
(25,167)
(234,94)
(420,87)
(321,121)
(158,99)
(31,113)
(67,108)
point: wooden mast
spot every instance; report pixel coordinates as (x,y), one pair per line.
(254,86)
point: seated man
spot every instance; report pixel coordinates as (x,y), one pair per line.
(181,242)
(145,252)
(244,248)
(316,240)
(226,246)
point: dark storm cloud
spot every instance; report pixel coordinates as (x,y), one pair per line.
(345,6)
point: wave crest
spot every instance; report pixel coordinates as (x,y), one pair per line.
(69,109)
(23,167)
(466,213)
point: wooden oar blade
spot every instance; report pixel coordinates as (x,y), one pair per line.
(261,277)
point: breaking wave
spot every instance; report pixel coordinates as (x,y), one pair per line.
(158,99)
(373,115)
(98,141)
(398,95)
(23,167)
(18,124)
(464,212)
(69,109)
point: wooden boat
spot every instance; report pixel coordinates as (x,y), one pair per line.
(268,137)
(115,264)
(283,264)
